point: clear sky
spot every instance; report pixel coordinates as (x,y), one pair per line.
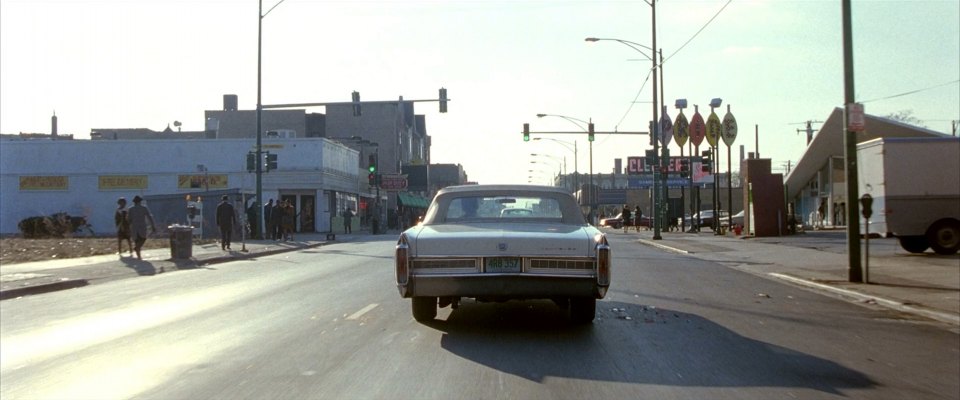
(133,63)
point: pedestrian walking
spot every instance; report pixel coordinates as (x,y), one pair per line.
(625,217)
(289,220)
(252,222)
(122,221)
(276,217)
(348,221)
(139,215)
(269,233)
(637,217)
(226,219)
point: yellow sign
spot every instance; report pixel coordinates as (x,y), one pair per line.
(713,129)
(44,183)
(264,146)
(108,182)
(202,181)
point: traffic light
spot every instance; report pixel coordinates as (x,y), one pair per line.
(526,132)
(590,132)
(372,169)
(684,167)
(356,103)
(706,161)
(443,100)
(251,161)
(271,162)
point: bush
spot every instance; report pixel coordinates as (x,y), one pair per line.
(56,225)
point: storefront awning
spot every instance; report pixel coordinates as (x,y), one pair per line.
(412,200)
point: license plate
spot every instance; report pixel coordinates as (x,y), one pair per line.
(503,264)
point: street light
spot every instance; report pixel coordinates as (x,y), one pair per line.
(555,158)
(551,174)
(572,146)
(260,17)
(654,131)
(578,122)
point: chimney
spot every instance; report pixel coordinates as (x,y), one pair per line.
(229,102)
(53,124)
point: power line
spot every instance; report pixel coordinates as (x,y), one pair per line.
(698,32)
(647,79)
(671,56)
(911,92)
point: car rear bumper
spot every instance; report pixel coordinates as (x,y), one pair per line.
(502,286)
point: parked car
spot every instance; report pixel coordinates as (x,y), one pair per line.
(617,221)
(706,218)
(471,245)
(737,220)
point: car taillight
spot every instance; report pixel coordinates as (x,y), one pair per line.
(603,262)
(402,260)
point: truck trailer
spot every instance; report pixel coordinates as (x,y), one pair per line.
(915,186)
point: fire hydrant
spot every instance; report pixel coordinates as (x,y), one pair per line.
(737,230)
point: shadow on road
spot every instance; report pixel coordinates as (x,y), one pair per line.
(633,344)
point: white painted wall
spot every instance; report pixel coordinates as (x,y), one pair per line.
(304,163)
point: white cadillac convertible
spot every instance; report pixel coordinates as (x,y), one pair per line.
(503,242)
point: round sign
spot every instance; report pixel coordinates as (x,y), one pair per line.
(697,129)
(666,128)
(713,129)
(681,129)
(728,130)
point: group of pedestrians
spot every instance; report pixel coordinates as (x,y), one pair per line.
(132,223)
(636,216)
(280,219)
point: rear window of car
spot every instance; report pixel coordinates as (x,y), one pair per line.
(498,207)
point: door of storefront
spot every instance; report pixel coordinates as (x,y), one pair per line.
(307,216)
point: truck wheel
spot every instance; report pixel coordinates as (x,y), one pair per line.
(424,308)
(944,237)
(583,310)
(913,244)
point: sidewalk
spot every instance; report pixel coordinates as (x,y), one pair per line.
(45,276)
(921,284)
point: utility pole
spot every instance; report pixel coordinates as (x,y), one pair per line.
(855,273)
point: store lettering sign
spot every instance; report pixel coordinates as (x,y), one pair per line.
(110,182)
(202,181)
(44,183)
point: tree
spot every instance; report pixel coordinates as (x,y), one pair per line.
(906,116)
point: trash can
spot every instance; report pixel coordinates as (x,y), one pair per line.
(181,241)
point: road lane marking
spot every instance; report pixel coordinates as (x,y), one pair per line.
(362,311)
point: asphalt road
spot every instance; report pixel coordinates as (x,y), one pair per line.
(328,323)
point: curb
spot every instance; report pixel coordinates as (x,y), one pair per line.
(866,298)
(664,247)
(75,283)
(42,288)
(849,294)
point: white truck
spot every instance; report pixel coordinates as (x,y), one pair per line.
(915,186)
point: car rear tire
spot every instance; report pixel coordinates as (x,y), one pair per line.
(424,308)
(914,244)
(583,310)
(944,237)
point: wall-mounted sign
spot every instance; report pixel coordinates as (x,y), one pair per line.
(111,182)
(44,183)
(202,181)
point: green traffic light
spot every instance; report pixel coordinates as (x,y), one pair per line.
(526,137)
(373,168)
